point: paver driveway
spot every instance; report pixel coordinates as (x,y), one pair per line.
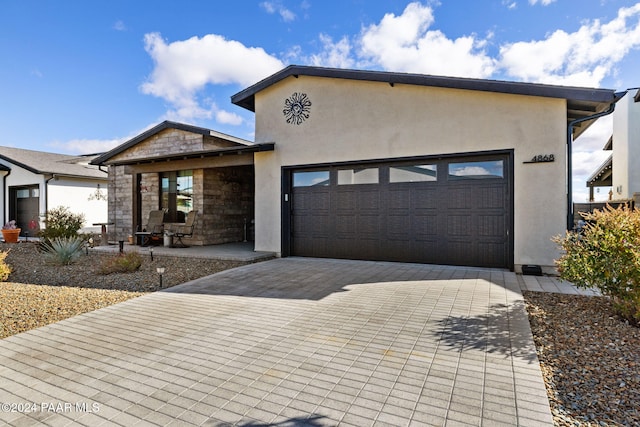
(290,341)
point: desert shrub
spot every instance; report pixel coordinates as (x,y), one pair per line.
(122,263)
(606,255)
(61,222)
(63,250)
(5,269)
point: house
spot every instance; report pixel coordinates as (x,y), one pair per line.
(370,165)
(621,170)
(406,167)
(36,181)
(178,168)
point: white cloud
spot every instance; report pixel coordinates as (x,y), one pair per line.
(269,7)
(471,171)
(229,118)
(405,43)
(119,26)
(272,7)
(336,55)
(88,146)
(542,2)
(287,15)
(582,58)
(184,68)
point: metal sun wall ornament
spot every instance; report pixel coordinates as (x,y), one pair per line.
(297,108)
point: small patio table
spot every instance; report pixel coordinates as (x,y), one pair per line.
(104,240)
(143,238)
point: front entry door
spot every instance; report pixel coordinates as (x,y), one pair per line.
(24,206)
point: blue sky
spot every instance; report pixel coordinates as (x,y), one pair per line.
(83,76)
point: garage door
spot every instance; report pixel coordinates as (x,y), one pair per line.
(453,211)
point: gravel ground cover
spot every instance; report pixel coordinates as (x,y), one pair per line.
(38,293)
(590,359)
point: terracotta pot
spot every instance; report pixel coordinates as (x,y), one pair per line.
(11,235)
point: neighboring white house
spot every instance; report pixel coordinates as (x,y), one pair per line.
(34,182)
(416,168)
(621,170)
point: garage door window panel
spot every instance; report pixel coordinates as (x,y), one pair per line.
(413,173)
(311,179)
(358,176)
(476,170)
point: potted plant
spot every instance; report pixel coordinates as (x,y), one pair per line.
(10,232)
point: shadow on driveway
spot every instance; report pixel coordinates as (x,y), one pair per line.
(496,333)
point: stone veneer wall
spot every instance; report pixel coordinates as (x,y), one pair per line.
(227,201)
(149,195)
(170,141)
(223,198)
(120,203)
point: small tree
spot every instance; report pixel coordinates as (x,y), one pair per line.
(61,222)
(606,256)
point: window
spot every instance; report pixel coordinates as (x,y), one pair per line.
(358,176)
(310,179)
(476,170)
(176,197)
(413,173)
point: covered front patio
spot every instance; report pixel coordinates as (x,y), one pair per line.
(177,168)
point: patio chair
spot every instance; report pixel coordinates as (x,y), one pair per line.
(185,230)
(153,229)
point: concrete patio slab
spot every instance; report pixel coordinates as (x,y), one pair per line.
(289,341)
(239,251)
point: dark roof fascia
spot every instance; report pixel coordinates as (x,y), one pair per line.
(4,168)
(266,146)
(607,164)
(42,172)
(246,97)
(102,159)
(637,97)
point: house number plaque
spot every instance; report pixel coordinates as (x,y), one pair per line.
(542,158)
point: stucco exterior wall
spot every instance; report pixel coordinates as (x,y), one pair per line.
(626,148)
(77,196)
(359,120)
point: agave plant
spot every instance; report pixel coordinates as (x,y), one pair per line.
(63,250)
